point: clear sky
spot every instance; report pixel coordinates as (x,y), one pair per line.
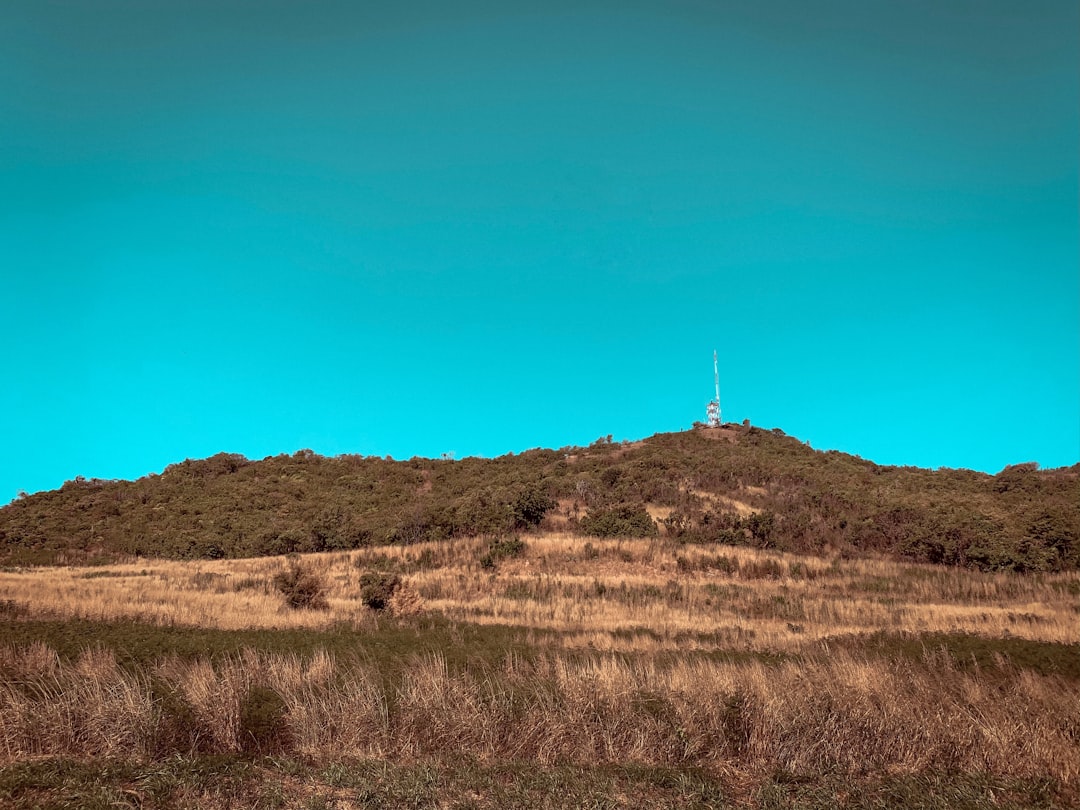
(414,228)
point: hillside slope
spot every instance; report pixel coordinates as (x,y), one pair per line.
(733,485)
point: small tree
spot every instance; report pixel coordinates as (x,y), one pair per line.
(376,588)
(530,507)
(302,587)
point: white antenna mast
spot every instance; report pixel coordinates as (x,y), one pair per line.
(716,379)
(712,410)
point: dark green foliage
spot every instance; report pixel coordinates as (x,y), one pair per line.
(760,525)
(335,529)
(530,507)
(302,587)
(376,588)
(500,549)
(802,500)
(619,521)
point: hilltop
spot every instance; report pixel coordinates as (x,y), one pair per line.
(734,485)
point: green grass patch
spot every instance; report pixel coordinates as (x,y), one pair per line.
(275,782)
(926,791)
(971,652)
(390,646)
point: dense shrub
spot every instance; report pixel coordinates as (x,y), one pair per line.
(531,506)
(377,587)
(620,521)
(500,549)
(302,588)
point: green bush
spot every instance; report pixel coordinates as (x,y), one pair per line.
(621,521)
(500,549)
(531,506)
(302,588)
(376,588)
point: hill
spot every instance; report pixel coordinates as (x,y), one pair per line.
(551,629)
(735,485)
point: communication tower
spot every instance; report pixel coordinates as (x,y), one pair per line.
(712,410)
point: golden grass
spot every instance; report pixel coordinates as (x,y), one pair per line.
(739,507)
(822,708)
(223,594)
(607,594)
(831,713)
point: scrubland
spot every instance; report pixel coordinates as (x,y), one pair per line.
(572,671)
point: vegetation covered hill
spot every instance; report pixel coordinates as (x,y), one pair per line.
(552,629)
(736,485)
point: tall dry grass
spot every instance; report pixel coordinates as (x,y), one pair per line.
(91,706)
(838,713)
(591,592)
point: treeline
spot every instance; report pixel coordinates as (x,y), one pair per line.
(734,485)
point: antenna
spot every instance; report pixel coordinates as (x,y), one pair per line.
(716,379)
(712,410)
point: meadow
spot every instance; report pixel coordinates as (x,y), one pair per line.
(558,671)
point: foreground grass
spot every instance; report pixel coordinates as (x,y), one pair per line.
(276,782)
(830,713)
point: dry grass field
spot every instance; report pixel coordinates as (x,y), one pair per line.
(640,594)
(565,672)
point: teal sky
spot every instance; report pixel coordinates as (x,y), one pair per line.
(417,228)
